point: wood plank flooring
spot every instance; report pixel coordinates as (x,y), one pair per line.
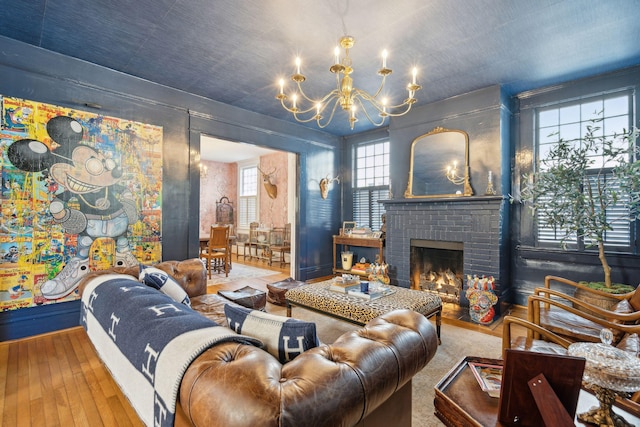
(57,379)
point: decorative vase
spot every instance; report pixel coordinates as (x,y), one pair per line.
(481,295)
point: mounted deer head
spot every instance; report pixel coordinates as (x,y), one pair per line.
(272,189)
(324,185)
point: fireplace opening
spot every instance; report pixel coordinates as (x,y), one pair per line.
(437,266)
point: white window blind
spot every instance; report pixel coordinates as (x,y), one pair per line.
(248,198)
(371,183)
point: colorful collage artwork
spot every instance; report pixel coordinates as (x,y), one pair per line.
(80,192)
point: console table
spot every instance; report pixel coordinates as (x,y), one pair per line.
(346,241)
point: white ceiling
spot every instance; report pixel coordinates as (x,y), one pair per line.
(218,150)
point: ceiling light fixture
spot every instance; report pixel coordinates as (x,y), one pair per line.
(350,98)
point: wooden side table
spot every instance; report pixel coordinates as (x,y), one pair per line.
(347,241)
(459,401)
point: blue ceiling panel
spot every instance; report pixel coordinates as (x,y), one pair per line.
(235,51)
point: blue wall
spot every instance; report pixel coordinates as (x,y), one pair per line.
(40,75)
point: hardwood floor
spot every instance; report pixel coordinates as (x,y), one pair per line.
(57,379)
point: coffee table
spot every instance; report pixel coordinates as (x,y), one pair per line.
(318,297)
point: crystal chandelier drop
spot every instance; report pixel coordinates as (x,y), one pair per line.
(351,99)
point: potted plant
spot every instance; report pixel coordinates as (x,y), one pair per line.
(578,184)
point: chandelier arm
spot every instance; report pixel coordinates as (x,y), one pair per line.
(409,105)
(366,113)
(375,95)
(299,120)
(296,110)
(333,110)
(304,95)
(372,100)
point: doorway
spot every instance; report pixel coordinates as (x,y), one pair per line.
(222,163)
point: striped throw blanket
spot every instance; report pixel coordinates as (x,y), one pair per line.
(147,341)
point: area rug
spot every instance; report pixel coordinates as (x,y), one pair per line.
(456,344)
(239,272)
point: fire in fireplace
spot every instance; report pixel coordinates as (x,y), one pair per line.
(437,266)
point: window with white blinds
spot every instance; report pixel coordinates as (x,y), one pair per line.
(248,197)
(569,122)
(371,183)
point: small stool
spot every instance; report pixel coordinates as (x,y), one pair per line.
(276,291)
(247,297)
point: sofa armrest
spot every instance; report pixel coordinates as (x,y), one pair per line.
(235,385)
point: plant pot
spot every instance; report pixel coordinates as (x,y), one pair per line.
(602,301)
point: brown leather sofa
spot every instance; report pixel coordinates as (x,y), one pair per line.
(362,379)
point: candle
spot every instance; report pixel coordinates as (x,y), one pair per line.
(415,73)
(293,98)
(384,58)
(298,62)
(281,86)
(336,52)
(384,104)
(318,108)
(489,176)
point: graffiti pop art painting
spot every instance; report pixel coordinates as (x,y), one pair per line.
(80,192)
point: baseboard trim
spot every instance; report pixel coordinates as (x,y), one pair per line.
(26,322)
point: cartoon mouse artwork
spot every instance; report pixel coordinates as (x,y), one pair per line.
(87,199)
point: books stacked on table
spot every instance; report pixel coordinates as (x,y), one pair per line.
(360,268)
(345,283)
(371,294)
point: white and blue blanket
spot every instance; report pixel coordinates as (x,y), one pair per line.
(147,341)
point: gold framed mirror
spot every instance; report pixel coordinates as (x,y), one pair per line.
(439,165)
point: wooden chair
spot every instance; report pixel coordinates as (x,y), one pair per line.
(560,312)
(282,243)
(217,250)
(547,341)
(251,242)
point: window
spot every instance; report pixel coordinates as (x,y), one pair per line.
(371,183)
(569,121)
(248,197)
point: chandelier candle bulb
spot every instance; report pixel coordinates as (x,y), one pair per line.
(415,74)
(384,58)
(281,86)
(336,51)
(298,62)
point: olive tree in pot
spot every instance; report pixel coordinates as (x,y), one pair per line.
(584,188)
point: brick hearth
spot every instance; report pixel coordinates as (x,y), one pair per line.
(479,223)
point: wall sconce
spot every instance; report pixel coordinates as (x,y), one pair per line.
(452,175)
(324,185)
(204,171)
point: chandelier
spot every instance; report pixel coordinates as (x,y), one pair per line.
(350,98)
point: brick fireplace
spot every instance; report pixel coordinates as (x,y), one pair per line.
(475,226)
